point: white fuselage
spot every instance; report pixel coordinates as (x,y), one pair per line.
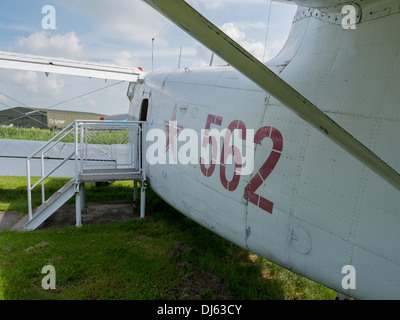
(307,205)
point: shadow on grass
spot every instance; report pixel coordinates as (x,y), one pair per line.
(165,256)
(14,198)
(248,276)
(14,193)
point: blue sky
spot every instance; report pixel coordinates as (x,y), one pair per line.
(120,32)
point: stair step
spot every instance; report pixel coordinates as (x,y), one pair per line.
(53,197)
(105,175)
(51,205)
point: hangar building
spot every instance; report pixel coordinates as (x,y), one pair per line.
(43,118)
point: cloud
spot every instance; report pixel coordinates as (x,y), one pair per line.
(125,58)
(31,82)
(211,4)
(256,48)
(28,80)
(45,43)
(134,21)
(237,33)
(218,4)
(91,102)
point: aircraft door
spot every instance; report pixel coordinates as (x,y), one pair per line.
(144,115)
(145,107)
(140,103)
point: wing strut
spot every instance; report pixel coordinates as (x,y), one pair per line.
(217,41)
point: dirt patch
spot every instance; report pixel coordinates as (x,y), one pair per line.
(38,246)
(179,249)
(202,285)
(94,213)
(199,285)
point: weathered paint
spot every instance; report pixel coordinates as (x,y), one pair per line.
(324,209)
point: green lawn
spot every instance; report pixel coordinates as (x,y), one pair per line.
(27,134)
(166,256)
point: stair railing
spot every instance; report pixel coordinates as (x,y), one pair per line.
(79,129)
(43,150)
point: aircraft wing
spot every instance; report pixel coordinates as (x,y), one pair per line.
(18,61)
(217,41)
(13,154)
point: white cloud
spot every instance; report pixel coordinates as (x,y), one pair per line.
(91,102)
(239,33)
(28,80)
(31,81)
(217,4)
(44,43)
(212,4)
(130,20)
(233,31)
(256,48)
(125,58)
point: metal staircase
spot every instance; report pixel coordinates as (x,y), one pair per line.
(102,151)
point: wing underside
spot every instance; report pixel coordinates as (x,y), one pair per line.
(18,61)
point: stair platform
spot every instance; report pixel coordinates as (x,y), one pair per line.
(109,175)
(104,151)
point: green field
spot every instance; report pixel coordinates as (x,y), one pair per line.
(27,134)
(165,256)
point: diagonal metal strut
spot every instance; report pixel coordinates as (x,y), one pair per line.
(217,41)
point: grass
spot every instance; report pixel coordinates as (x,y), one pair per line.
(27,134)
(95,137)
(166,256)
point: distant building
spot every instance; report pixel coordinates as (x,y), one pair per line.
(43,118)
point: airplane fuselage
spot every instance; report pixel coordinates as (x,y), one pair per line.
(306,205)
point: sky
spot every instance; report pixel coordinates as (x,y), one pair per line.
(120,32)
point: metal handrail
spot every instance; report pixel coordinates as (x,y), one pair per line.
(47,146)
(51,172)
(51,140)
(78,127)
(104,125)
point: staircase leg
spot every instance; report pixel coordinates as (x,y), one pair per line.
(78,206)
(135,190)
(83,194)
(142,200)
